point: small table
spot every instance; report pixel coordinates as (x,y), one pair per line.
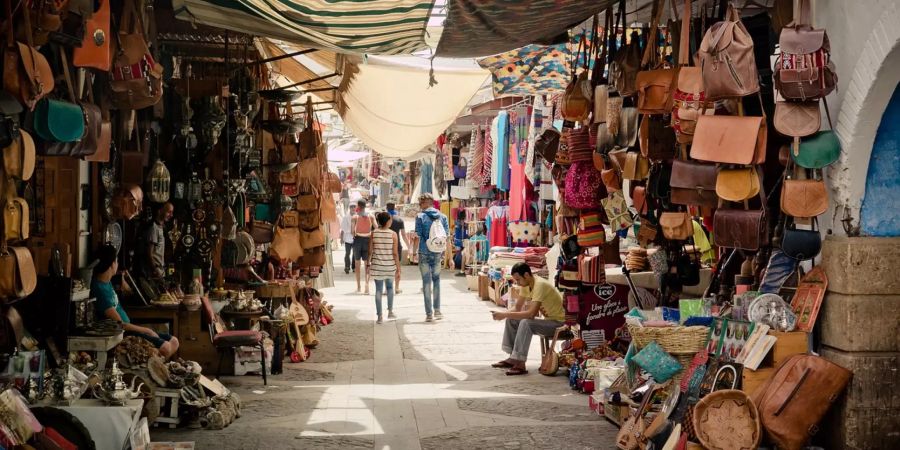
(100,344)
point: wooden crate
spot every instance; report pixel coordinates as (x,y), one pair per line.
(787,345)
(484,287)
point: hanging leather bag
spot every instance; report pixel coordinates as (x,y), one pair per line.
(657,138)
(10,109)
(94,51)
(15,219)
(312,239)
(636,167)
(737,185)
(286,239)
(793,401)
(803,69)
(577,100)
(688,97)
(797,119)
(60,123)
(18,277)
(730,139)
(262,232)
(625,68)
(74,16)
(817,151)
(26,73)
(727,63)
(676,226)
(19,157)
(42,18)
(547,144)
(128,202)
(655,84)
(694,183)
(136,77)
(801,244)
(804,198)
(742,229)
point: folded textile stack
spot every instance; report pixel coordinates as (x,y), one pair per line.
(535,257)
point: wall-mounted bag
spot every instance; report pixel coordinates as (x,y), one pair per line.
(128,202)
(694,183)
(737,185)
(95,49)
(10,109)
(18,277)
(19,157)
(801,244)
(657,138)
(576,103)
(26,73)
(817,151)
(727,62)
(797,119)
(15,219)
(309,173)
(136,77)
(676,226)
(547,144)
(730,140)
(804,69)
(804,198)
(741,229)
(584,188)
(637,167)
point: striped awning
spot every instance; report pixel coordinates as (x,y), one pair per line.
(387,27)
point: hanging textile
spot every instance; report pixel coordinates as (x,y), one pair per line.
(500,163)
(540,121)
(388,27)
(496,221)
(426,178)
(478,28)
(533,69)
(518,119)
(440,182)
(488,155)
(473,173)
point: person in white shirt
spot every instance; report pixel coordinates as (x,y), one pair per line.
(347,239)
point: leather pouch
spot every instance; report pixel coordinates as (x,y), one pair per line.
(312,239)
(654,89)
(647,233)
(804,198)
(694,183)
(18,276)
(19,157)
(636,166)
(286,243)
(314,257)
(817,151)
(730,140)
(15,219)
(95,49)
(676,226)
(737,185)
(797,119)
(307,202)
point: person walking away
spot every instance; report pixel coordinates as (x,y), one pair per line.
(345,196)
(522,323)
(362,225)
(459,235)
(398,227)
(383,262)
(432,228)
(347,239)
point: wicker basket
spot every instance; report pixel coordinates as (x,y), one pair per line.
(675,340)
(727,420)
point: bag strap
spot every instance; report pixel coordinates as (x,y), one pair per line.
(10,25)
(68,76)
(651,52)
(804,14)
(684,43)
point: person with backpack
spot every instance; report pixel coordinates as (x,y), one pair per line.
(362,226)
(432,228)
(384,260)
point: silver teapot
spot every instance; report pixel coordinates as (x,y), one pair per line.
(113,390)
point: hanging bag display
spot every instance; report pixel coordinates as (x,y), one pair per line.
(577,101)
(10,109)
(15,219)
(694,183)
(800,244)
(136,77)
(804,198)
(19,157)
(803,69)
(797,119)
(94,51)
(817,151)
(688,97)
(286,239)
(730,139)
(742,229)
(26,73)
(128,202)
(18,277)
(676,226)
(584,188)
(657,138)
(654,84)
(737,185)
(727,63)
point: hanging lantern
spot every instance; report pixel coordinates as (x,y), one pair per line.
(159,182)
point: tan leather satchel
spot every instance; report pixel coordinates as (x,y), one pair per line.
(797,119)
(15,219)
(676,226)
(624,69)
(312,239)
(737,185)
(26,73)
(19,157)
(726,59)
(730,140)
(309,173)
(804,198)
(655,86)
(637,167)
(18,277)
(793,401)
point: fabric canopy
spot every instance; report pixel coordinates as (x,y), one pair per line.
(387,27)
(394,111)
(478,28)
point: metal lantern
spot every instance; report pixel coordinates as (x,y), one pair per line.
(287,203)
(159,182)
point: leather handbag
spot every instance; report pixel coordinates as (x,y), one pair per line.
(72,29)
(611,179)
(547,144)
(60,121)
(694,183)
(135,78)
(727,62)
(797,119)
(18,277)
(637,167)
(801,244)
(262,232)
(657,138)
(688,97)
(286,238)
(19,157)
(10,109)
(803,69)
(314,257)
(104,143)
(737,185)
(15,219)
(741,229)
(42,19)
(818,151)
(654,88)
(625,67)
(793,401)
(676,226)
(312,239)
(804,198)
(26,73)
(730,139)
(94,51)
(639,200)
(647,232)
(576,102)
(628,127)
(128,202)
(309,173)
(307,202)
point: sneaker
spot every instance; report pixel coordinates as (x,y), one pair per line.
(391,315)
(428,318)
(380,320)
(438,315)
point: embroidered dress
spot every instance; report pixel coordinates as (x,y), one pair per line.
(383,265)
(488,157)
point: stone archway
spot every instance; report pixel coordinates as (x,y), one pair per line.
(875,77)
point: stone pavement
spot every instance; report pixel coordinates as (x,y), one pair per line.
(407,384)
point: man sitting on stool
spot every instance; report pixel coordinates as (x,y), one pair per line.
(522,325)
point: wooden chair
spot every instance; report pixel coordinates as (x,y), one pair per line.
(224,339)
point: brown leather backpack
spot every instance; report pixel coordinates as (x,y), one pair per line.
(726,59)
(798,395)
(804,69)
(624,69)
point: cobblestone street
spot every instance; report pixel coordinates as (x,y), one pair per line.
(406,384)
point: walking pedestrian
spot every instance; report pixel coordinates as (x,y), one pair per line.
(347,239)
(397,226)
(383,262)
(431,254)
(362,225)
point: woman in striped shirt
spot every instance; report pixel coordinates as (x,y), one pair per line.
(384,260)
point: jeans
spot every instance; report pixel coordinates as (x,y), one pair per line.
(390,294)
(430,268)
(518,333)
(349,264)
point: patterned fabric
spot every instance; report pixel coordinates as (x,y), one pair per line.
(524,233)
(478,28)
(476,165)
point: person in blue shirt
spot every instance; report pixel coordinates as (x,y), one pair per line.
(107,304)
(459,235)
(430,262)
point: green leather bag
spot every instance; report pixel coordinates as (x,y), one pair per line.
(817,151)
(58,121)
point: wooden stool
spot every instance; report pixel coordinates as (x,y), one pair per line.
(168,407)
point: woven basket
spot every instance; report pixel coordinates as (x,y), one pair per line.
(727,420)
(675,340)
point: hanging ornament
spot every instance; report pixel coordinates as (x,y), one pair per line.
(195,190)
(160,181)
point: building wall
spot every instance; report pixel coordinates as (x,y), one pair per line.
(880,215)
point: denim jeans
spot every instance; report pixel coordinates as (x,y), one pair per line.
(379,284)
(348,263)
(430,268)
(517,335)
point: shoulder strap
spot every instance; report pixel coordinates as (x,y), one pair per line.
(684,43)
(25,272)
(652,50)
(68,76)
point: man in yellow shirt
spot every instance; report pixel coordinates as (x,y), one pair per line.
(522,323)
